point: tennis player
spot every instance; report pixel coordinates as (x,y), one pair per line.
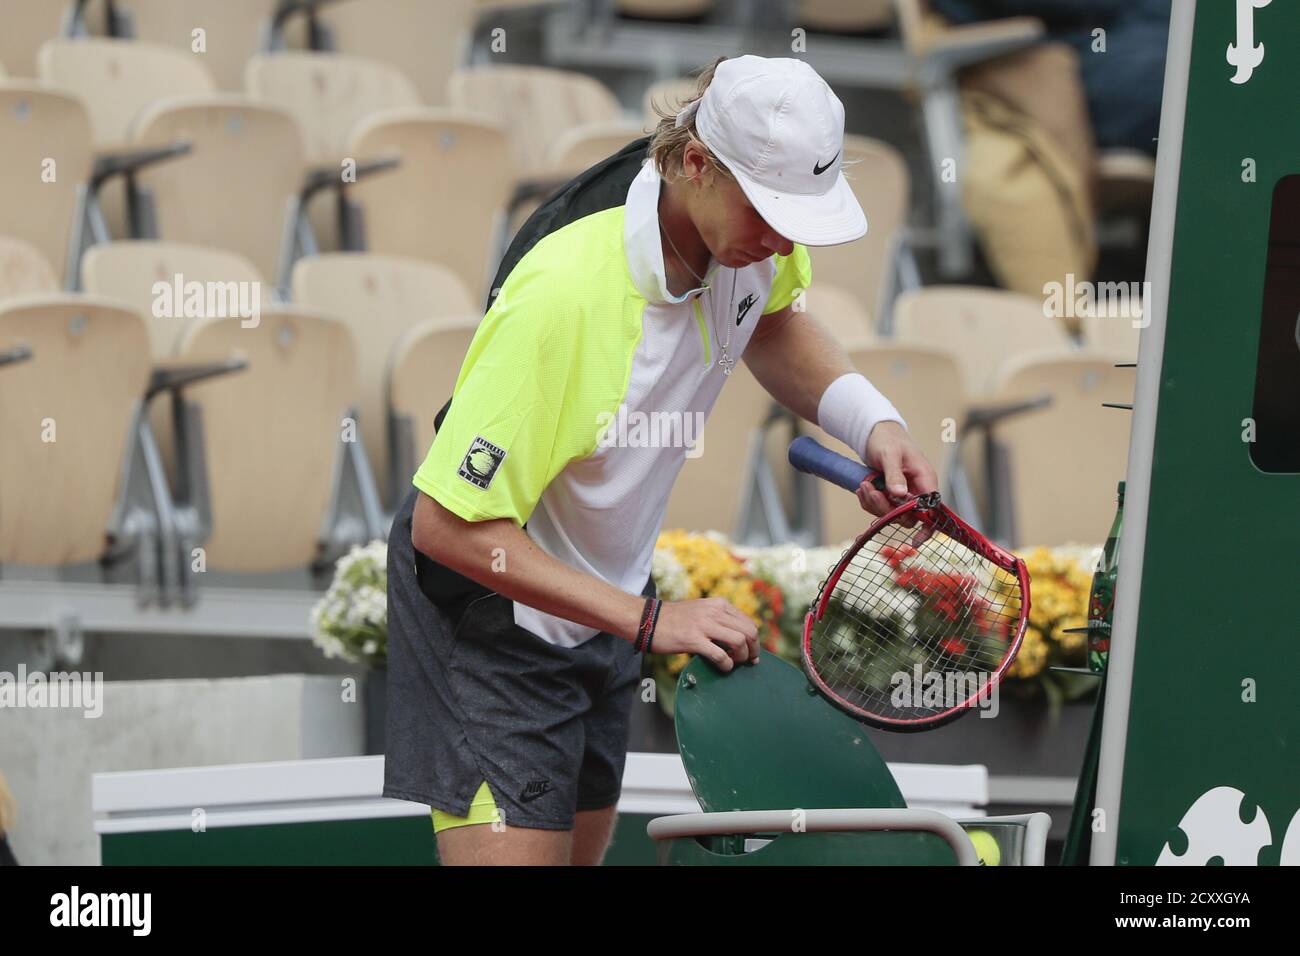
(520,596)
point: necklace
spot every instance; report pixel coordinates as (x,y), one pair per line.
(680,258)
(725,361)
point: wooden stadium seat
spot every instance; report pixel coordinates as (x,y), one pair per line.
(62,448)
(126,271)
(926,387)
(235,187)
(709,491)
(426,41)
(380,298)
(446,201)
(981,327)
(24,26)
(1114,333)
(328,93)
(843,16)
(116,79)
(535,105)
(271,434)
(39,125)
(233,31)
(581,147)
(880,180)
(841,312)
(23,269)
(576,150)
(422,374)
(1064,460)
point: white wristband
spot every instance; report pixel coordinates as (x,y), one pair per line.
(851,407)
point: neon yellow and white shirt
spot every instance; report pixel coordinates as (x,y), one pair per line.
(582,331)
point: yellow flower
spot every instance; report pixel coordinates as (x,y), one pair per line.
(1032,658)
(1070,643)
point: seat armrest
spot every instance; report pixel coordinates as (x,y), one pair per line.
(816,821)
(962,46)
(167,376)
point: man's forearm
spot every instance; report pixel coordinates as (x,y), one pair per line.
(796,362)
(499,555)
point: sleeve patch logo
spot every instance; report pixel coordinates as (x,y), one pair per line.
(481,462)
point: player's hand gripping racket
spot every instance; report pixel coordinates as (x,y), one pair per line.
(921,617)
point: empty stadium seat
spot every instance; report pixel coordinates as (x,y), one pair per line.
(381,298)
(233,30)
(116,79)
(841,313)
(445,203)
(24,26)
(535,105)
(128,271)
(237,188)
(573,152)
(1115,333)
(426,41)
(267,442)
(1063,461)
(982,328)
(582,147)
(880,180)
(44,166)
(926,387)
(23,269)
(68,456)
(328,93)
(422,374)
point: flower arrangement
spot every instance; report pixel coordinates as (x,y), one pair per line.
(351,620)
(1060,581)
(776,585)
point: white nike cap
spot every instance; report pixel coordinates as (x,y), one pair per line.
(779,129)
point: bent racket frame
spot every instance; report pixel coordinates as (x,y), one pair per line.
(919,518)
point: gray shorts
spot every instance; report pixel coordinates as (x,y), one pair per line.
(474,697)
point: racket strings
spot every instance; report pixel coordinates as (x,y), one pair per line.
(917,623)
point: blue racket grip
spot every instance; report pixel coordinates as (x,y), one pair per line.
(809,455)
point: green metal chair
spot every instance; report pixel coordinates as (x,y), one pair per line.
(785,779)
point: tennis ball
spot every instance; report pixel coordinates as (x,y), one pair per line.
(986,847)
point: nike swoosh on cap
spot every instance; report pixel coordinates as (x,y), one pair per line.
(818,170)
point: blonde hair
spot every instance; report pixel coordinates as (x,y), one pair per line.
(8,809)
(668,141)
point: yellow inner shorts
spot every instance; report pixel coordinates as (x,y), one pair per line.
(482,809)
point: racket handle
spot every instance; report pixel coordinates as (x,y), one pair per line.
(811,456)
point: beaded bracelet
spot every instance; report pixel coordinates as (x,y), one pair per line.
(645,632)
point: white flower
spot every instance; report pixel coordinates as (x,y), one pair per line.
(670,577)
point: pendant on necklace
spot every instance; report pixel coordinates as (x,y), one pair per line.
(726,363)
